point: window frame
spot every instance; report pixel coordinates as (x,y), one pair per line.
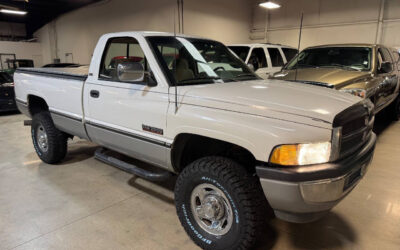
(265,56)
(104,55)
(380,51)
(281,55)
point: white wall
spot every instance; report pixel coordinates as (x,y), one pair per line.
(77,32)
(327,22)
(23,50)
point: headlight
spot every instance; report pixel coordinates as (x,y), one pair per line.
(301,154)
(357,92)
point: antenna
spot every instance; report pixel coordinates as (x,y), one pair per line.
(182,15)
(175,53)
(298,47)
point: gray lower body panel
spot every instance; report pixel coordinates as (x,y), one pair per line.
(69,125)
(23,108)
(140,149)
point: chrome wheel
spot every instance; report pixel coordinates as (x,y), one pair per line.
(211,209)
(41,138)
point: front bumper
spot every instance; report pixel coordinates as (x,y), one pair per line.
(305,193)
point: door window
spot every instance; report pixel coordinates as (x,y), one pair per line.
(258,58)
(289,53)
(384,56)
(118,50)
(276,57)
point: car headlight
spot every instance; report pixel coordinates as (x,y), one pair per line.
(301,154)
(357,92)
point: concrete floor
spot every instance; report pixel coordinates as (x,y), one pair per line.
(85,204)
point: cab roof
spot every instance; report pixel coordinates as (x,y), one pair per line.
(153,33)
(369,45)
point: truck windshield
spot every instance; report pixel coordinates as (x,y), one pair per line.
(189,61)
(347,58)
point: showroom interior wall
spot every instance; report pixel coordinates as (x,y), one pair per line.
(23,50)
(77,32)
(327,22)
(9,32)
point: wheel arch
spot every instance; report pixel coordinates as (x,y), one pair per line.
(36,104)
(188,147)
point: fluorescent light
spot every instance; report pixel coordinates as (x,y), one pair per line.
(14,12)
(269,5)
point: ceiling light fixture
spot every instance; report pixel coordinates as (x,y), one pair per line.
(269,5)
(13,12)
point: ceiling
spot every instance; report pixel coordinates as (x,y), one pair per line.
(40,12)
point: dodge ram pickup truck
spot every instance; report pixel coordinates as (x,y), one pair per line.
(240,145)
(365,70)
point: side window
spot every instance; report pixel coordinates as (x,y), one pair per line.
(384,56)
(276,58)
(258,58)
(118,50)
(289,53)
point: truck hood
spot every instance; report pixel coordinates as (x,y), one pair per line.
(290,101)
(335,77)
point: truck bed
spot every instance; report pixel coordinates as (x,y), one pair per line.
(79,73)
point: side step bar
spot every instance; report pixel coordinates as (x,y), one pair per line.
(101,155)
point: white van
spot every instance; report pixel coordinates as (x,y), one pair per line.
(264,58)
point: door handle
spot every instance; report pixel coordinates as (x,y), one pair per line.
(94,93)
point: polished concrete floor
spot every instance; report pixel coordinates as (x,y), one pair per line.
(85,204)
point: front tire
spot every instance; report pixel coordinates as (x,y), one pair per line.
(50,143)
(219,204)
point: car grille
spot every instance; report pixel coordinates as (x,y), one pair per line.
(356,124)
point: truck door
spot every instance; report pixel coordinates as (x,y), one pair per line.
(127,115)
(388,79)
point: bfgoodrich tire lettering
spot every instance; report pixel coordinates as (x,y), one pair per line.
(241,190)
(50,143)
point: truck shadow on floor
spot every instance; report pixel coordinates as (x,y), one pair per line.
(331,231)
(79,151)
(382,123)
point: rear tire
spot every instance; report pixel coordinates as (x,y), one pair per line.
(232,209)
(50,143)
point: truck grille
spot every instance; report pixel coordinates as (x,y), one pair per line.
(357,124)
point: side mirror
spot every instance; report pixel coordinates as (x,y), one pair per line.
(386,67)
(251,66)
(130,72)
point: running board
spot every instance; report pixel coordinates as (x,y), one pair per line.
(101,155)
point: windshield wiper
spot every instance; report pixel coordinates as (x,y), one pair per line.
(246,74)
(200,79)
(334,65)
(305,66)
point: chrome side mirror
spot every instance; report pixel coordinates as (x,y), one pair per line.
(130,72)
(386,67)
(251,66)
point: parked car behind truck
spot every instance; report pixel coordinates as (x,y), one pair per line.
(365,70)
(7,96)
(264,58)
(190,107)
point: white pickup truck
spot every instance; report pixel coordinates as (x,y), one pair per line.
(240,145)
